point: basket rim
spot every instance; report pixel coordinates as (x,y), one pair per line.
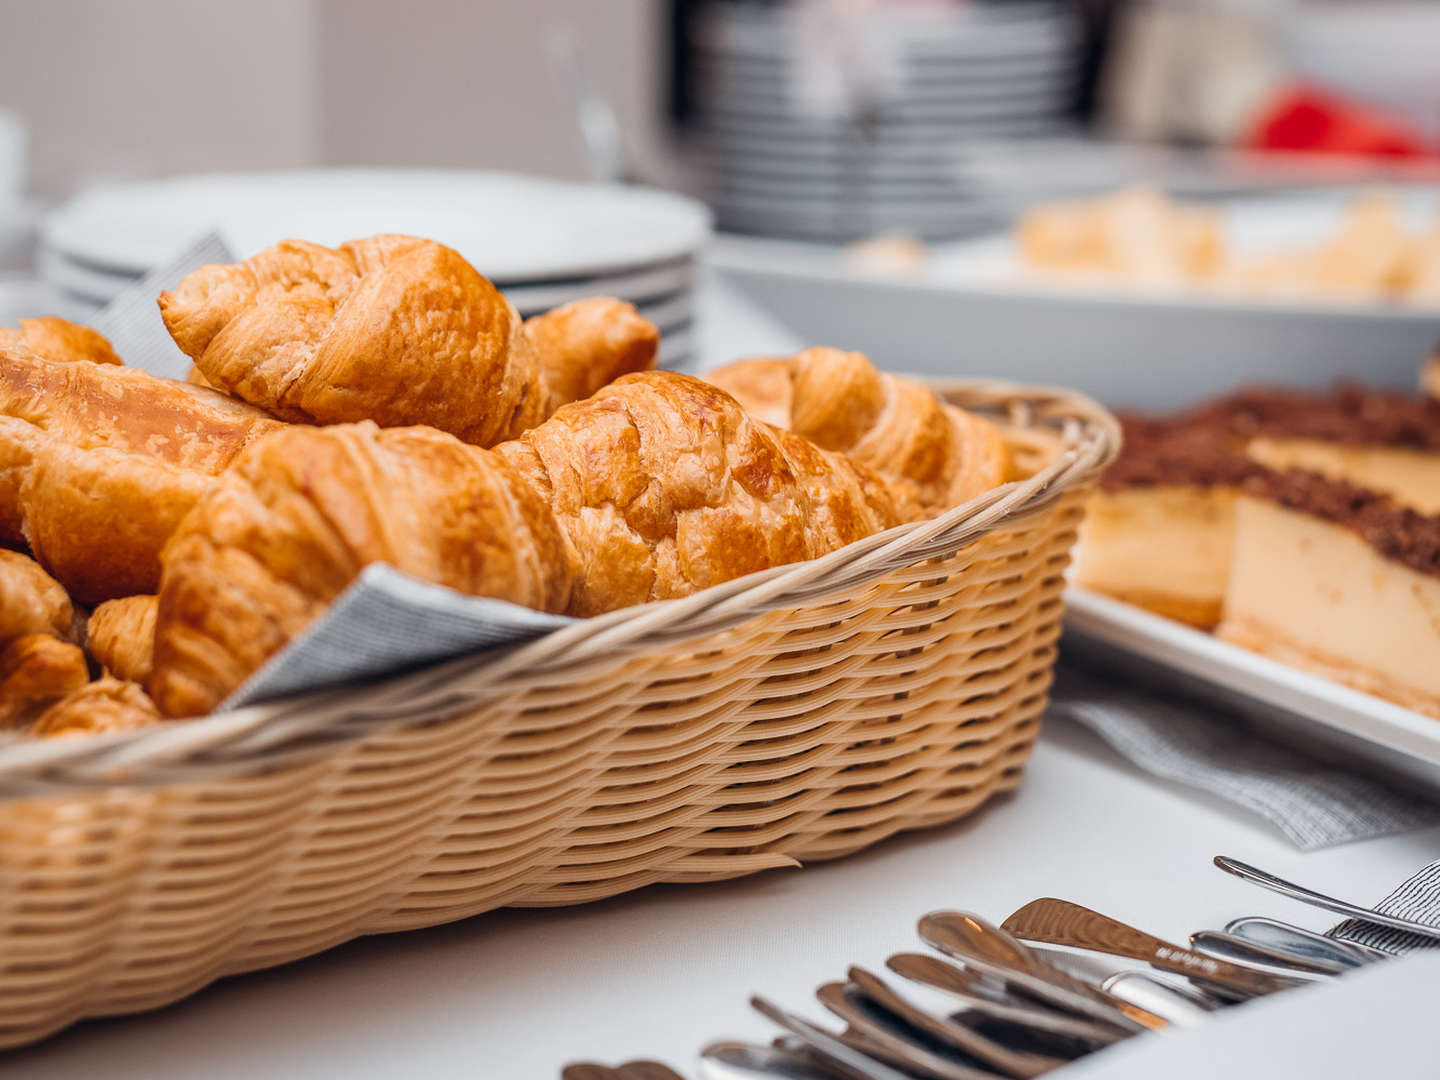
(259,737)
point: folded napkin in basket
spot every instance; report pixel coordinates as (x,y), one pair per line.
(132,320)
(386,623)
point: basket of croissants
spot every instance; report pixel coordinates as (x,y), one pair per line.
(816,604)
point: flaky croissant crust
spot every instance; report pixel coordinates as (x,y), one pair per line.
(397,330)
(300,514)
(657,486)
(936,454)
(393,329)
(98,463)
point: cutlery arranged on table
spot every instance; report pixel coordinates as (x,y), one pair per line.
(631,1070)
(995,1006)
(1255,876)
(1298,941)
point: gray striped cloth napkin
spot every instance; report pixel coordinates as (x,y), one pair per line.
(1313,803)
(132,320)
(1417,899)
(386,623)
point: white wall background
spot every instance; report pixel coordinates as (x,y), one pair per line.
(118,88)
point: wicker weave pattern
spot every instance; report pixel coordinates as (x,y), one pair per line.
(892,700)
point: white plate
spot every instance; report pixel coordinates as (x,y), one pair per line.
(883,131)
(670,311)
(780,97)
(513,228)
(1152,350)
(952,33)
(676,348)
(1262,689)
(79,279)
(642,285)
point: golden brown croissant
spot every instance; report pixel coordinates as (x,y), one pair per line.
(99,463)
(121,637)
(300,514)
(59,339)
(393,329)
(31,601)
(665,486)
(657,486)
(34,671)
(103,705)
(583,345)
(937,454)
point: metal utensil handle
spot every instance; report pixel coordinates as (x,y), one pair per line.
(1256,876)
(1059,922)
(826,1043)
(1266,958)
(1277,934)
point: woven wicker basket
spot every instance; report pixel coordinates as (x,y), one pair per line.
(800,713)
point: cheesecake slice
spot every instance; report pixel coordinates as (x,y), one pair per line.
(1158,531)
(1379,439)
(1340,581)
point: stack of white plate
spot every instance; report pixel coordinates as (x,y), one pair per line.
(544,242)
(783,165)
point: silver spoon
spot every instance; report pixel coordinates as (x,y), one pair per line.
(743,1061)
(1301,942)
(994,1055)
(646,1070)
(1318,899)
(586,1070)
(799,1048)
(1181,1008)
(992,951)
(844,1058)
(889,1039)
(1237,950)
(1059,922)
(960,986)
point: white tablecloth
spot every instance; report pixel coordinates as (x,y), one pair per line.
(659,972)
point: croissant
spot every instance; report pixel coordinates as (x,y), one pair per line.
(300,514)
(31,601)
(59,339)
(121,637)
(99,463)
(585,344)
(34,671)
(393,329)
(665,486)
(657,486)
(937,455)
(103,705)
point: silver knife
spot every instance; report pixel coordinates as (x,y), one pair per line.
(1059,922)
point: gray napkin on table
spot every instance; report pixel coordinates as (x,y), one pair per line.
(1312,802)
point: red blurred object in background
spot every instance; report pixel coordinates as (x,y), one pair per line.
(1306,118)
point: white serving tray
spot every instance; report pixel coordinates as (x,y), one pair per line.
(973,311)
(1332,720)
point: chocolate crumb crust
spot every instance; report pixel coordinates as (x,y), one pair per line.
(1203,446)
(1159,451)
(1396,532)
(1347,413)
